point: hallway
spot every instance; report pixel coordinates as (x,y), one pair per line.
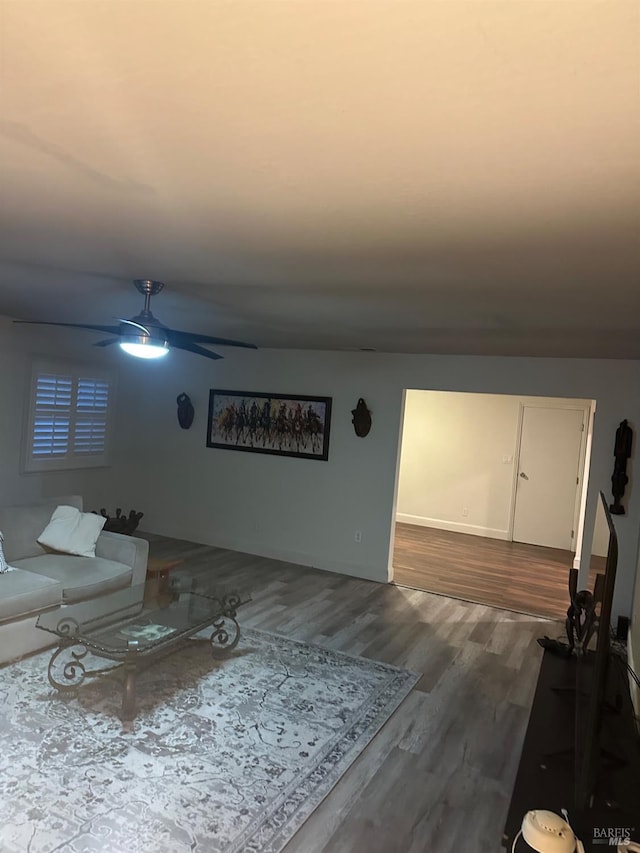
(509,575)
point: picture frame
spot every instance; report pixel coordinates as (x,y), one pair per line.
(279,424)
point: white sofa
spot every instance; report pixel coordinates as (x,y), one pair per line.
(44,580)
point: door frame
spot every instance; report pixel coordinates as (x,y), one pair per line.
(545,402)
(394,513)
(581,486)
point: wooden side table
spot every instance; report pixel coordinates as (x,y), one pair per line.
(158,572)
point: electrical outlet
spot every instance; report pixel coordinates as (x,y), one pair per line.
(465,510)
(358,536)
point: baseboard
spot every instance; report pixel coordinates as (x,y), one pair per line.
(259,549)
(453,526)
(310,560)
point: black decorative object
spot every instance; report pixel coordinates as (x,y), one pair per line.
(121,523)
(361,419)
(622,452)
(281,424)
(185,411)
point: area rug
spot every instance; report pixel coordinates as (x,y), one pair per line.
(225,756)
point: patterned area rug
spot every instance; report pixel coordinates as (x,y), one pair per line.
(226,755)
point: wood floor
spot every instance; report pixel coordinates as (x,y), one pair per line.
(438,776)
(524,578)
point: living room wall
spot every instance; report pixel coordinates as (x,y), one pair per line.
(307,511)
(18,347)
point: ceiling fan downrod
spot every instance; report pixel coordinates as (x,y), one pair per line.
(148,289)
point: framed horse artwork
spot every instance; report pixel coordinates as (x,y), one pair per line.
(281,424)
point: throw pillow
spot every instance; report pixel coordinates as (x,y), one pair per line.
(72,532)
(4,566)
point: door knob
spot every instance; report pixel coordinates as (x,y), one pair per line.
(523,475)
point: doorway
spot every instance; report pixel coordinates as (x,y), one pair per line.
(489,497)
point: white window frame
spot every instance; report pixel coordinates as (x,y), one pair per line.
(70,459)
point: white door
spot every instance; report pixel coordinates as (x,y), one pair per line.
(548,475)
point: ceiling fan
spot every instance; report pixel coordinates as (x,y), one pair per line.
(145,337)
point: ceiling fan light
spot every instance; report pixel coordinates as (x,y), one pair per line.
(141,346)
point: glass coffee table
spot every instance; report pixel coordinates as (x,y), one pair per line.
(122,628)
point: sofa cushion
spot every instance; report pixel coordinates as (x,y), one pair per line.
(79,577)
(21,526)
(22,593)
(72,532)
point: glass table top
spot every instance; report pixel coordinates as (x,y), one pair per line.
(117,623)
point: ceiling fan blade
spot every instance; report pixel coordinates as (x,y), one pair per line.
(194,348)
(177,338)
(145,324)
(111,330)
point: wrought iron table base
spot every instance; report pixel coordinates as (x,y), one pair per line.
(223,639)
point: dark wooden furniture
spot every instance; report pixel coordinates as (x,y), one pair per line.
(158,576)
(545,778)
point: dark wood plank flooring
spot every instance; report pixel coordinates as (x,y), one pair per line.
(510,575)
(438,776)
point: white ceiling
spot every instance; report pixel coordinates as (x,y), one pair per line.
(407,176)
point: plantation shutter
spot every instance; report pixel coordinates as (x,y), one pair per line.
(69,420)
(90,433)
(52,422)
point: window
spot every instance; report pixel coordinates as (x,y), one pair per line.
(68,418)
